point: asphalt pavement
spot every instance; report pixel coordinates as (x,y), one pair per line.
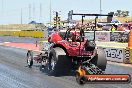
(19,39)
(14,73)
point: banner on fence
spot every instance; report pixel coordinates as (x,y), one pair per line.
(114,54)
(102,36)
(119,36)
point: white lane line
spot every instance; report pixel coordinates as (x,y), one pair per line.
(4,43)
(7,42)
(1,43)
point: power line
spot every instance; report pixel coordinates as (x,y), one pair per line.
(100,6)
(2,6)
(100,9)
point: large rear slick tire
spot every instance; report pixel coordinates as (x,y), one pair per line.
(100,59)
(59,62)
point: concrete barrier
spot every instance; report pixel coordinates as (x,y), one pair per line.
(116,53)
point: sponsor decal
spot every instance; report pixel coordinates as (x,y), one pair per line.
(113,54)
(119,36)
(108,78)
(103,36)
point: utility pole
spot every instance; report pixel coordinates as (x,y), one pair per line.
(50,12)
(33,11)
(21,16)
(2,12)
(29,12)
(100,6)
(100,9)
(2,9)
(40,12)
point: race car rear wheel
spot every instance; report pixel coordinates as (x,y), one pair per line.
(59,62)
(100,59)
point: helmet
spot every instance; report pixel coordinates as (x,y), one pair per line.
(75,36)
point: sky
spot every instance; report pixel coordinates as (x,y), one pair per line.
(17,11)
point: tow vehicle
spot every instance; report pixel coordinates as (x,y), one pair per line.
(70,50)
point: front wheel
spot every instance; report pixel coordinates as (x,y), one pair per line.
(29,59)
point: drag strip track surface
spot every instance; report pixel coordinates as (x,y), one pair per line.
(15,74)
(19,39)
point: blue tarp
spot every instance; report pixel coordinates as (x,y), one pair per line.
(34,22)
(50,29)
(115,21)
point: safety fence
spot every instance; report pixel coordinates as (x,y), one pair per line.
(115,51)
(118,54)
(103,36)
(108,36)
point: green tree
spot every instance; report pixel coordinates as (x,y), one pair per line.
(119,13)
(127,12)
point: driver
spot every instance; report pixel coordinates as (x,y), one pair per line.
(76,36)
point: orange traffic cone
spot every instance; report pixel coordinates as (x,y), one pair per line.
(130,39)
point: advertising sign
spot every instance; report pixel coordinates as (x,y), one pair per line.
(119,36)
(102,36)
(114,54)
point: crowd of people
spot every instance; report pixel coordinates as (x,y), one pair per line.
(104,26)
